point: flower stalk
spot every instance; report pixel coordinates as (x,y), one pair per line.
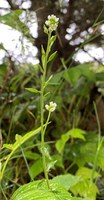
(50,26)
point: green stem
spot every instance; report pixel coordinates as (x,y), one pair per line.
(42,129)
(26,163)
(3,192)
(42,110)
(43,151)
(100,141)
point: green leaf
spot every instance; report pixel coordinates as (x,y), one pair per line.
(16,145)
(61,143)
(100,160)
(73,133)
(52,56)
(45,95)
(59,159)
(45,30)
(52,40)
(86,173)
(51,165)
(12,20)
(78,198)
(43,56)
(47,82)
(32,90)
(38,190)
(32,155)
(36,168)
(42,50)
(20,112)
(40,67)
(18,137)
(77,133)
(14,15)
(67,180)
(8,146)
(72,75)
(86,189)
(55,80)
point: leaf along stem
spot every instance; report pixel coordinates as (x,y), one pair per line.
(42,110)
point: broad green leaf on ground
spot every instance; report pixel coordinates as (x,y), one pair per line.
(73,133)
(38,190)
(85,189)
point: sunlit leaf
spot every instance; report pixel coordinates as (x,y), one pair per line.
(16,145)
(85,188)
(86,173)
(32,90)
(67,180)
(52,40)
(52,56)
(38,190)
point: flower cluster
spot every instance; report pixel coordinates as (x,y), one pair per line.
(51,107)
(52,22)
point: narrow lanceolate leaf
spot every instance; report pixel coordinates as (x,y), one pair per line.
(42,50)
(43,56)
(47,82)
(40,67)
(52,56)
(45,30)
(32,90)
(52,40)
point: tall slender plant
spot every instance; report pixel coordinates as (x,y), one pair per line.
(50,26)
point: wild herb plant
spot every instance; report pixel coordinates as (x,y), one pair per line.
(77,151)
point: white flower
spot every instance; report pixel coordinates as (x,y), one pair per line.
(52,22)
(51,107)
